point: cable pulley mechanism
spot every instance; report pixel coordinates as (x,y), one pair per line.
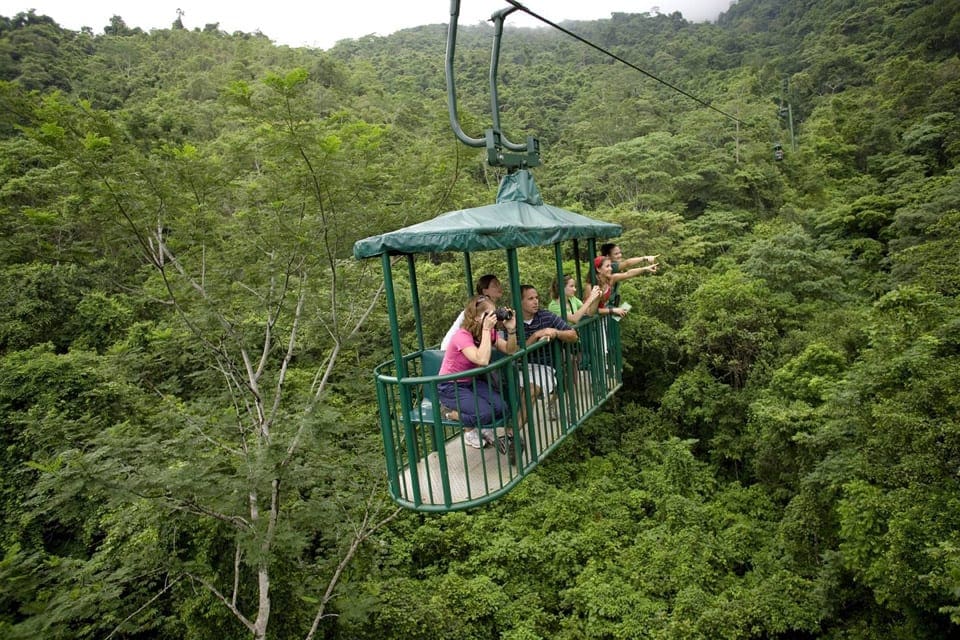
(501,152)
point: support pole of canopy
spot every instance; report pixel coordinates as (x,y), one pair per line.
(577,272)
(406,403)
(392,313)
(513,269)
(415,300)
(468,273)
(559,279)
(386,428)
(565,389)
(592,250)
(513,274)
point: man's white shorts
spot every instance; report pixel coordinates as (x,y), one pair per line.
(542,376)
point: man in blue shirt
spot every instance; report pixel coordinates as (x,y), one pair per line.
(540,324)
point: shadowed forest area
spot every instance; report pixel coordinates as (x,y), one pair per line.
(189,429)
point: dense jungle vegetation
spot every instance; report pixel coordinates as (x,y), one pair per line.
(189,440)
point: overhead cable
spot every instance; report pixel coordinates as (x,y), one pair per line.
(533,14)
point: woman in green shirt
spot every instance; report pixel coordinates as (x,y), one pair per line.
(576,309)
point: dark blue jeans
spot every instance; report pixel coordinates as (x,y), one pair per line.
(477,403)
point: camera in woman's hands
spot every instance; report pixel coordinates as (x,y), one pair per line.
(503,314)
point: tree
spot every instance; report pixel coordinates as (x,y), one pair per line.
(245,241)
(732,322)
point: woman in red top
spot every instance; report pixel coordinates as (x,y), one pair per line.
(608,279)
(605,282)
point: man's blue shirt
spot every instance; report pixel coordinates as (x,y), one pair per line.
(544,319)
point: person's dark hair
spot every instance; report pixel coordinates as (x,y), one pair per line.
(524,288)
(484,282)
(607,248)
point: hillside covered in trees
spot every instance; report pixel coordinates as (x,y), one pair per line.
(189,440)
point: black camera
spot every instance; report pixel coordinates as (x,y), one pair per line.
(503,314)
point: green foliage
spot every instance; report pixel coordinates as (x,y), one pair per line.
(178,210)
(790,262)
(715,234)
(700,405)
(598,556)
(650,333)
(39,305)
(733,322)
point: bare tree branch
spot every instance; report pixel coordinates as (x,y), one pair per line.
(237,556)
(362,533)
(146,604)
(291,345)
(369,310)
(229,604)
(193,507)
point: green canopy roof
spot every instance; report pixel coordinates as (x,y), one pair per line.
(518,219)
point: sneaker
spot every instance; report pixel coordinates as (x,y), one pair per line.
(473,439)
(505,445)
(488,437)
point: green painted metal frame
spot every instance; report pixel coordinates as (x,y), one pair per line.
(521,220)
(408,440)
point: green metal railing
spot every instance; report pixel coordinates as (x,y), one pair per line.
(429,465)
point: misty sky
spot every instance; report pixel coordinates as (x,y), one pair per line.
(321,24)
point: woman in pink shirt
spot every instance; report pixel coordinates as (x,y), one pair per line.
(473,400)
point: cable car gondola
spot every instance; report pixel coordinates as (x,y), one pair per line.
(429,465)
